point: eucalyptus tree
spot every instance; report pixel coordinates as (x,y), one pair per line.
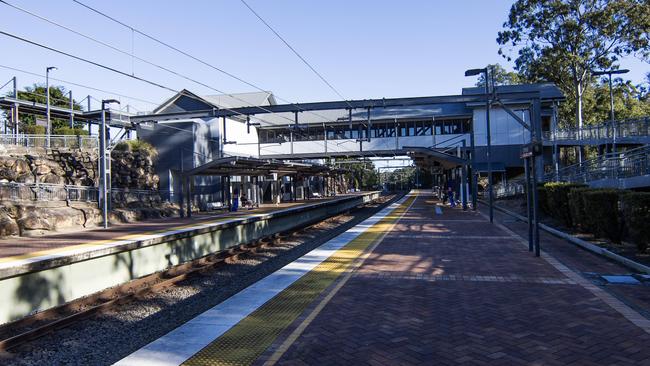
(564,40)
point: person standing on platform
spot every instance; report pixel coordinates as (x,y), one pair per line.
(235,200)
(452,199)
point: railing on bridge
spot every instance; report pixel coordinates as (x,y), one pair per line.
(509,189)
(626,164)
(59,192)
(621,129)
(630,163)
(56,141)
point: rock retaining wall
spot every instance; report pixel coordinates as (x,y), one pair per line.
(132,170)
(75,168)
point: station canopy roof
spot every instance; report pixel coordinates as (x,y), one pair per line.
(247,166)
(425,157)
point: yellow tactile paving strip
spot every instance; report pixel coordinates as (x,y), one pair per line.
(246,341)
(97,244)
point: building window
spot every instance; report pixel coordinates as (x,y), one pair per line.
(438,127)
(467,126)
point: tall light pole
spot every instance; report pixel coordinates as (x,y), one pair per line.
(104,171)
(48,128)
(611,98)
(485,73)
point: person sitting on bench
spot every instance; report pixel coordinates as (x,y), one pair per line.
(245,202)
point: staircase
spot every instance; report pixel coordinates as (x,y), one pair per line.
(629,169)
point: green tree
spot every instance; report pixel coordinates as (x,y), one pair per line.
(58,97)
(501,76)
(563,40)
(400,178)
(361,174)
(629,101)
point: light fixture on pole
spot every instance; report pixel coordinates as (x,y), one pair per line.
(484,71)
(104,164)
(48,127)
(611,98)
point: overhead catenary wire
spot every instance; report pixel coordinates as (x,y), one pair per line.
(184,53)
(163,43)
(140,59)
(203,62)
(80,85)
(103,66)
(320,76)
(132,55)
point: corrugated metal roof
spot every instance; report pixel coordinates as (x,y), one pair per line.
(241,99)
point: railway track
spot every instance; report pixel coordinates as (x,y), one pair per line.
(48,321)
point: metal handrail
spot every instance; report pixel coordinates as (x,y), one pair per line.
(606,130)
(56,141)
(633,162)
(509,189)
(62,192)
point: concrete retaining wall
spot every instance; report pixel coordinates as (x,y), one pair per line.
(35,288)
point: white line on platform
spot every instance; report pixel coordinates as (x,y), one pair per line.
(183,342)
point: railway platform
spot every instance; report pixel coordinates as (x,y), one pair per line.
(416,284)
(40,273)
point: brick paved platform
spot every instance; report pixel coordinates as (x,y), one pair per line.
(13,247)
(413,287)
(453,289)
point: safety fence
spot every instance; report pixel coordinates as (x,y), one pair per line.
(627,164)
(55,141)
(630,163)
(509,189)
(58,192)
(633,127)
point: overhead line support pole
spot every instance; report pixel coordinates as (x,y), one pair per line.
(537,167)
(350,118)
(325,136)
(529,203)
(104,164)
(14,110)
(71,110)
(88,110)
(489,144)
(369,126)
(103,192)
(223,136)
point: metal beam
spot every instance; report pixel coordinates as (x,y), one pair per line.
(342,105)
(513,114)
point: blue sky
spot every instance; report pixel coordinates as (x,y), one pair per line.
(366,49)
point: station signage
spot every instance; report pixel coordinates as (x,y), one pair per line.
(530,150)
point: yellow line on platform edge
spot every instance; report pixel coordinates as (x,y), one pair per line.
(245,342)
(310,318)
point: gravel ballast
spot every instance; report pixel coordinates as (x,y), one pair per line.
(106,338)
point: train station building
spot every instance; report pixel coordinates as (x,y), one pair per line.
(254,125)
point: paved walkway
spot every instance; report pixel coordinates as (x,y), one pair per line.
(454,289)
(420,287)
